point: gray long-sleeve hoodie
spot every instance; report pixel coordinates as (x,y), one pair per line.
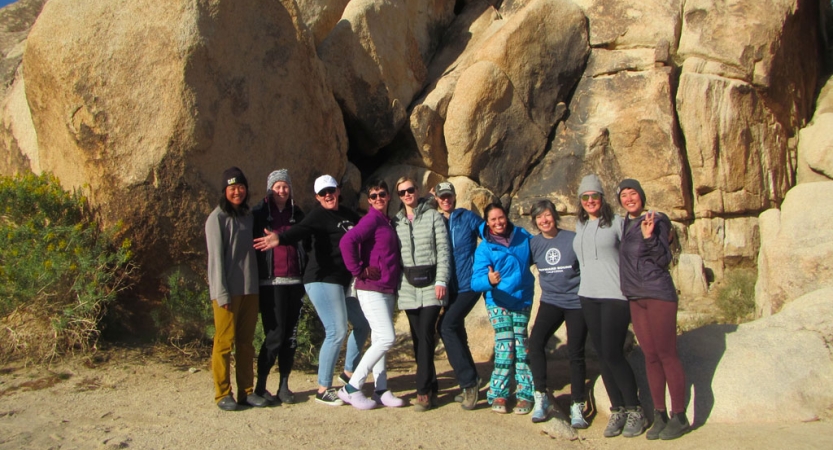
(597,250)
(232,263)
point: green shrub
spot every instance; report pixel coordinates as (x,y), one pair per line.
(736,296)
(310,336)
(185,318)
(58,269)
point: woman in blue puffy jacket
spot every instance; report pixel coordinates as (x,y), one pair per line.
(501,270)
(462,226)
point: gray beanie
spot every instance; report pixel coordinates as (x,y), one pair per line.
(278,175)
(630,183)
(590,183)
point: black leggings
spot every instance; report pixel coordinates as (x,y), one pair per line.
(607,321)
(423,323)
(280,309)
(547,322)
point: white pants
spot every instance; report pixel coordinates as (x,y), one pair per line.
(378,310)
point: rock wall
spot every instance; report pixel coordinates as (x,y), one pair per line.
(701,100)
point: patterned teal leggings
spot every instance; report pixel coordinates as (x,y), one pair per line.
(510,354)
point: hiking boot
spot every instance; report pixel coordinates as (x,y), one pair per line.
(357,399)
(227,403)
(270,399)
(253,400)
(541,411)
(677,426)
(499,405)
(636,423)
(470,395)
(329,398)
(660,421)
(286,396)
(522,407)
(577,416)
(459,397)
(388,399)
(422,403)
(618,417)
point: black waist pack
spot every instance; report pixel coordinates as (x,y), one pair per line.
(421,276)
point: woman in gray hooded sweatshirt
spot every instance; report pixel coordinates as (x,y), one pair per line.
(606,310)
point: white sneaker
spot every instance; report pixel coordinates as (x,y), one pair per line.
(541,410)
(577,416)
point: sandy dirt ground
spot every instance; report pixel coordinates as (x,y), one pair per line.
(149,398)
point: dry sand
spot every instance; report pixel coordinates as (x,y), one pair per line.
(150,399)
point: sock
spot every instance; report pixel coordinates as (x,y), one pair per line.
(350,389)
(379,393)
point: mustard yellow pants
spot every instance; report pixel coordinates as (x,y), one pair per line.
(234,327)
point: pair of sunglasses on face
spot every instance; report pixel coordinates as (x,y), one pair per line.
(326,191)
(376,195)
(594,196)
(410,190)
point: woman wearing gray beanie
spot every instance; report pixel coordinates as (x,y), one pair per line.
(281,288)
(605,309)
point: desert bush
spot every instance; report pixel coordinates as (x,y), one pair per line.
(736,296)
(58,269)
(185,318)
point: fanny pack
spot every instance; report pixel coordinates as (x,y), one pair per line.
(421,276)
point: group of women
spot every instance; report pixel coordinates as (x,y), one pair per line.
(427,258)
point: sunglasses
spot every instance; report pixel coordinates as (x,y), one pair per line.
(326,191)
(585,197)
(410,190)
(374,195)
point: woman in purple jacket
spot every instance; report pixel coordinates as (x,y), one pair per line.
(644,256)
(371,253)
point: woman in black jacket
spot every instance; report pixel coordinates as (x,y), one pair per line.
(281,288)
(644,256)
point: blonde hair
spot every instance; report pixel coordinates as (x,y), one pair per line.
(402,180)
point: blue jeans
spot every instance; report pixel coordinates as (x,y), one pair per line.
(453,331)
(335,309)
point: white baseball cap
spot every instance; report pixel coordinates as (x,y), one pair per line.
(323,182)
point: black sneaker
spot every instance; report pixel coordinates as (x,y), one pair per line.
(329,398)
(660,420)
(677,426)
(270,399)
(344,378)
(227,403)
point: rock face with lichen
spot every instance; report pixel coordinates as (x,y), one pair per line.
(142,106)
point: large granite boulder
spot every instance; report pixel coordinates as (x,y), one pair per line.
(748,80)
(143,104)
(815,142)
(796,247)
(776,369)
(377,58)
(321,16)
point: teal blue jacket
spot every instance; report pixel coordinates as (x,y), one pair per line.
(517,285)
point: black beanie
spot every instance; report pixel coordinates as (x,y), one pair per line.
(630,183)
(233,175)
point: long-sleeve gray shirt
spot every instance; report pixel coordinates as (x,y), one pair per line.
(232,263)
(598,255)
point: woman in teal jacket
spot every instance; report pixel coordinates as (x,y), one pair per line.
(501,271)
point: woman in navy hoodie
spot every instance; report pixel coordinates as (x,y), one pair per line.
(644,256)
(501,270)
(371,253)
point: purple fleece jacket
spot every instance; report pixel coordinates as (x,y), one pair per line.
(373,243)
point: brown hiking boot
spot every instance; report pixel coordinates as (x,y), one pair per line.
(422,403)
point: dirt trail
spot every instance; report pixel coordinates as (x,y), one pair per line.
(143,400)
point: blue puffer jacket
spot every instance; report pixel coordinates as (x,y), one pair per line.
(517,285)
(463,232)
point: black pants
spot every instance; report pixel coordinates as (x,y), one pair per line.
(547,322)
(280,310)
(423,323)
(453,332)
(607,321)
